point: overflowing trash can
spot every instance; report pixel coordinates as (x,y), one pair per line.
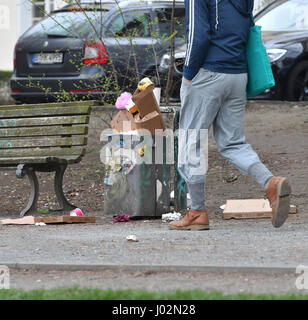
(139,156)
(137,175)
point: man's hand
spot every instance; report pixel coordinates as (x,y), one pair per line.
(186,80)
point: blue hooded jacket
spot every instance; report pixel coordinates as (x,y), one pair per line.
(217,32)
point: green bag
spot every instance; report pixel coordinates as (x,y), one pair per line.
(260,74)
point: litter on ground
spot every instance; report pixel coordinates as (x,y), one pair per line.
(121,218)
(40,224)
(171,216)
(132,238)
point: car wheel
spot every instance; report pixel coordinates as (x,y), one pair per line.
(297,88)
(17,102)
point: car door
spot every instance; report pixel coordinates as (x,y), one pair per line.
(131,44)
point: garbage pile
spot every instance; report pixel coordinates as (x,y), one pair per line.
(138,111)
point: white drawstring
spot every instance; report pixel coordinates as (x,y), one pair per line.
(216,25)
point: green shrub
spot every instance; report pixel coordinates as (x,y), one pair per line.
(5,75)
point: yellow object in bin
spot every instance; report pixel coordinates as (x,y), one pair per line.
(144,83)
(142,151)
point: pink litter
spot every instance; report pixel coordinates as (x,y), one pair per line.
(123,100)
(121,218)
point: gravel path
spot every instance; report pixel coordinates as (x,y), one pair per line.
(229,243)
(244,243)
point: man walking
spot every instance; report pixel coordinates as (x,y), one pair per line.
(213,93)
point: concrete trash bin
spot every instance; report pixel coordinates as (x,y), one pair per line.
(136,184)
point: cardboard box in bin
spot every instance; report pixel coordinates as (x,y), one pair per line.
(148,117)
(152,121)
(146,103)
(118,124)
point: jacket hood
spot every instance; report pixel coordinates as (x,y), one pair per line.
(245,7)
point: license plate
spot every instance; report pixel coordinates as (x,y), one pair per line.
(47,58)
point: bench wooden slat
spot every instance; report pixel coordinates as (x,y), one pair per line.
(42,131)
(14,161)
(42,152)
(43,121)
(43,142)
(40,112)
(84,104)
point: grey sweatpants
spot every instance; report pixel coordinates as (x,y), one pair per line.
(216,99)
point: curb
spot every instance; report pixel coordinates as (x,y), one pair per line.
(152,268)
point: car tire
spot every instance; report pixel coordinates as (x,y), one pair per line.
(22,101)
(297,87)
(18,102)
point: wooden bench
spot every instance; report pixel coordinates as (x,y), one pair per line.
(43,138)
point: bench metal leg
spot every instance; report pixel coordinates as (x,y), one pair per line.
(21,171)
(29,170)
(63,202)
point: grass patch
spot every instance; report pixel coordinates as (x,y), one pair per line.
(5,75)
(43,210)
(77,293)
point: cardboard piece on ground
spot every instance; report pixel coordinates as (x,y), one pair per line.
(24,220)
(54,219)
(151,122)
(117,121)
(249,208)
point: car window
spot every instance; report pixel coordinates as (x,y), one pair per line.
(290,15)
(130,23)
(70,23)
(164,20)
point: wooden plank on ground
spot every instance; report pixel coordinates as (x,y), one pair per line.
(66,219)
(49,220)
(43,121)
(249,209)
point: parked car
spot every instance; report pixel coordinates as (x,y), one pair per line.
(285,35)
(93,50)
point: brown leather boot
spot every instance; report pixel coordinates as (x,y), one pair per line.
(278,190)
(193,220)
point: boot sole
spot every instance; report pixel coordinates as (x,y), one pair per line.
(282,207)
(196,227)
